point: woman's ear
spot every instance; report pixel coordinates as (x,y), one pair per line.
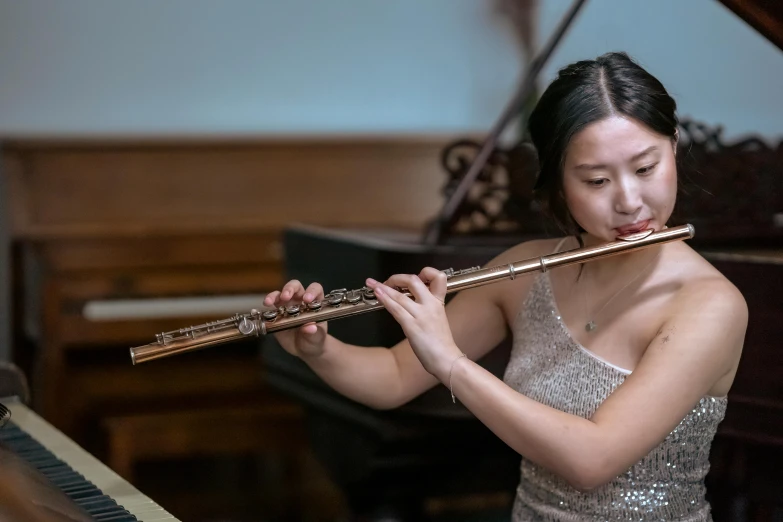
(675,141)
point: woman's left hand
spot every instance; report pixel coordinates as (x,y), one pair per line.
(424,320)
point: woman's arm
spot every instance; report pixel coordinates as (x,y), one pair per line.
(698,345)
(385,378)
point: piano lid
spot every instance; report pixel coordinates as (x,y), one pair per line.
(765,16)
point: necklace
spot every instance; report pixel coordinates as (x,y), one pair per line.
(591,324)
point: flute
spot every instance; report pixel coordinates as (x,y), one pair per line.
(346,303)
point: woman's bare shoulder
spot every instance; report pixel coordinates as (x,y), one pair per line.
(703,285)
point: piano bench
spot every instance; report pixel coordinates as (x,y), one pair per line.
(248,429)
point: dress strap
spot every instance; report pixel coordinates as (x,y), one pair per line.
(560,244)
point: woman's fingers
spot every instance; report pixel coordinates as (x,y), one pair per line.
(398,281)
(271,298)
(437,281)
(314,292)
(293,291)
(397,304)
(311,329)
(419,290)
(411,283)
(417,286)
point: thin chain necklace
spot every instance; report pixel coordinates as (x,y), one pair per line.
(591,325)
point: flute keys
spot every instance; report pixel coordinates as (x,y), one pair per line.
(334,299)
(246,327)
(270,315)
(314,306)
(369,294)
(293,310)
(353,297)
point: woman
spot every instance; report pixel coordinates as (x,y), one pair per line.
(620,367)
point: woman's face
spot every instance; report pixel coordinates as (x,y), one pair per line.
(619,177)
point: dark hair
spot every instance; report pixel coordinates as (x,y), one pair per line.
(583,93)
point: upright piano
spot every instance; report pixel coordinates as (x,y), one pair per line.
(430,453)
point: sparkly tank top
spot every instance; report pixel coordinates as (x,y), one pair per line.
(549,366)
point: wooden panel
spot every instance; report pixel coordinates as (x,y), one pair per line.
(112,189)
(125,284)
(84,254)
(199,375)
(16,199)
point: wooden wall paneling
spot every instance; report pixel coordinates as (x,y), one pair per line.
(131,189)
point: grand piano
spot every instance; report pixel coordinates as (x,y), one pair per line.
(430,455)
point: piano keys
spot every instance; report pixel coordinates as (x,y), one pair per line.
(88,483)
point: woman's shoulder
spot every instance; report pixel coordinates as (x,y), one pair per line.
(709,311)
(702,285)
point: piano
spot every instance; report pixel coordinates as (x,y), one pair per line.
(60,480)
(409,463)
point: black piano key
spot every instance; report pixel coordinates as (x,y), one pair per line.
(73,484)
(126,517)
(112,509)
(67,481)
(63,477)
(83,492)
(102,511)
(101,504)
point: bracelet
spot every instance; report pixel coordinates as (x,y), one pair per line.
(453,399)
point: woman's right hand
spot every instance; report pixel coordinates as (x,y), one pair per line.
(307,340)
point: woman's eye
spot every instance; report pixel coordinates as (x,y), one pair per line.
(596,182)
(646,170)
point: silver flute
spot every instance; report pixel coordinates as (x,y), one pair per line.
(346,303)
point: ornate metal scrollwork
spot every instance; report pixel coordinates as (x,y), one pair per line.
(500,201)
(731,192)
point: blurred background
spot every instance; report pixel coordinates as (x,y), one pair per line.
(164,164)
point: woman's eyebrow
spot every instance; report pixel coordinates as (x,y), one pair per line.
(600,166)
(644,152)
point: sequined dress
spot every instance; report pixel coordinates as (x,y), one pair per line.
(549,366)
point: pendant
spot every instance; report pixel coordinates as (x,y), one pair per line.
(591,326)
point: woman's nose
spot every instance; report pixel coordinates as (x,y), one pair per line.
(628,198)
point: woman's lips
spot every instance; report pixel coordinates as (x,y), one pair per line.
(632,229)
